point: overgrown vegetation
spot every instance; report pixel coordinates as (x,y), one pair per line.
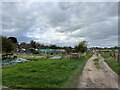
(8,45)
(44,73)
(81,47)
(114,64)
(96,63)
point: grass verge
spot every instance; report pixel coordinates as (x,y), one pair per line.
(114,64)
(73,80)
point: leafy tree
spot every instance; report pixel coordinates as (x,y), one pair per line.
(23,45)
(7,45)
(53,46)
(81,47)
(13,39)
(33,44)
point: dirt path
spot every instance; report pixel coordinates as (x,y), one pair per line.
(98,78)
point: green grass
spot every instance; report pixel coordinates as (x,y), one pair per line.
(43,73)
(106,54)
(35,59)
(114,64)
(96,63)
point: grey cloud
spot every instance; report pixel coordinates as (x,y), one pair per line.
(93,21)
(16,19)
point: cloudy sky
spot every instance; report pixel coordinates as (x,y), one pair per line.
(62,23)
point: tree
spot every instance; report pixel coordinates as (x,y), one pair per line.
(14,42)
(53,46)
(33,44)
(7,45)
(81,47)
(23,45)
(13,39)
